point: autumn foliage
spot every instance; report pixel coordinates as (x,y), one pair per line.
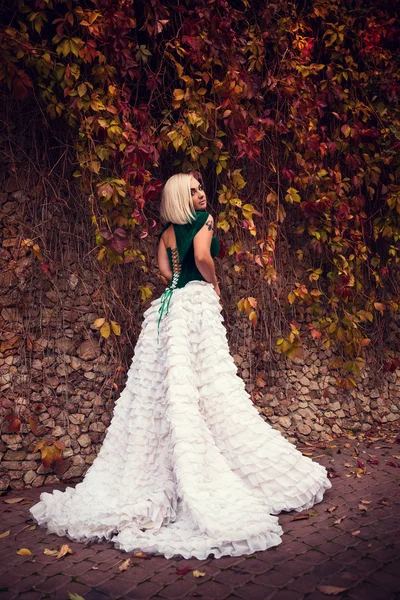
(297,101)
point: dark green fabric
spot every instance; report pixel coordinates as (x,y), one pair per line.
(184,235)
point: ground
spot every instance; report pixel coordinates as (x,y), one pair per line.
(346,547)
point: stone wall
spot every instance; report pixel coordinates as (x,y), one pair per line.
(55,366)
(303,402)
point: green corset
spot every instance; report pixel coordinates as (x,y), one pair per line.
(184,235)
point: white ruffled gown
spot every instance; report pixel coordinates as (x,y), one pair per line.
(187,467)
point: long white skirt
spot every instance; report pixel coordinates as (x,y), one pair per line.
(187,467)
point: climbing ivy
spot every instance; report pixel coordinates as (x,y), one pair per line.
(304,95)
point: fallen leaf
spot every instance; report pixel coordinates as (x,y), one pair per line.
(331,509)
(366,501)
(347,445)
(141,554)
(4,534)
(198,574)
(300,517)
(362,507)
(307,454)
(65,549)
(355,532)
(339,520)
(347,465)
(72,596)
(183,571)
(125,565)
(13,500)
(383,502)
(49,552)
(24,552)
(330,590)
(32,527)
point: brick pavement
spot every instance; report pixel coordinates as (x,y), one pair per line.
(348,547)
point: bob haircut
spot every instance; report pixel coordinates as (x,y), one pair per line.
(176,200)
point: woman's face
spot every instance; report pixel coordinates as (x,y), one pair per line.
(198,194)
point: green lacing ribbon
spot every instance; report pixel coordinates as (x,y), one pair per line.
(166,300)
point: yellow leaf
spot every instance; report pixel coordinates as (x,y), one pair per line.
(292,196)
(179,95)
(99,322)
(105,330)
(379,306)
(37,252)
(291,297)
(145,292)
(115,327)
(13,500)
(49,552)
(198,574)
(253,317)
(346,130)
(125,564)
(356,532)
(248,211)
(237,178)
(281,215)
(65,549)
(82,89)
(240,305)
(95,166)
(39,445)
(224,225)
(235,248)
(4,534)
(24,552)
(72,596)
(252,301)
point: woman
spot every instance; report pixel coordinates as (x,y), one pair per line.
(187,467)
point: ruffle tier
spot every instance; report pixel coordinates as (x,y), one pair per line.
(187,466)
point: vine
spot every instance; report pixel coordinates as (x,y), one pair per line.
(308,95)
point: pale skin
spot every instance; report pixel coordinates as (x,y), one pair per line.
(201,241)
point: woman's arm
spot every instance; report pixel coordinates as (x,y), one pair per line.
(163,261)
(202,255)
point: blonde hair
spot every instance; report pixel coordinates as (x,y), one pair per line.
(176,200)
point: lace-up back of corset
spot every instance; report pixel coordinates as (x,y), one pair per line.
(176,267)
(173,254)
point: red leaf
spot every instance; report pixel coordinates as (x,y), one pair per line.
(183,571)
